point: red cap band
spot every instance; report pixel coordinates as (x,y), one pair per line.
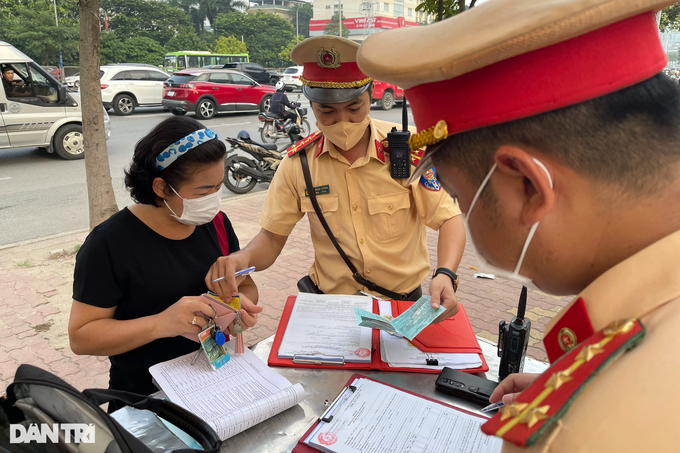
(346,73)
(566,73)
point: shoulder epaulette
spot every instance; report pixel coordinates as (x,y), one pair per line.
(549,397)
(304,143)
(416,154)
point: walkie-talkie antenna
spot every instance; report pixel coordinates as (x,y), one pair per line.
(521,308)
(404,115)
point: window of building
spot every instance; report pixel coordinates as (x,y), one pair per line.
(398,8)
(410,12)
(386,6)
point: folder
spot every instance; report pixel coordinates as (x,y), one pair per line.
(376,363)
(302,447)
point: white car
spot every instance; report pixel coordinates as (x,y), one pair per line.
(73,81)
(126,87)
(291,78)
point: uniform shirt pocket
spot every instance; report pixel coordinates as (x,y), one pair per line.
(389,215)
(329,208)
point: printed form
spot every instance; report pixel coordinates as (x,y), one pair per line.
(380,419)
(325,325)
(240,394)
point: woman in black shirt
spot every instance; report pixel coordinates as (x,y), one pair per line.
(140,274)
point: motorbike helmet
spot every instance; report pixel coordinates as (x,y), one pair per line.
(243,135)
(279,86)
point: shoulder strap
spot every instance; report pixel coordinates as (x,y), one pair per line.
(355,272)
(218,222)
(304,143)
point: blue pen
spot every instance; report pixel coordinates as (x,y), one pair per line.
(240,273)
(493,406)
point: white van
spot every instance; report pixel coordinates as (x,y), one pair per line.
(37,111)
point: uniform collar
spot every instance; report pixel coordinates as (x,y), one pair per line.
(633,288)
(375,148)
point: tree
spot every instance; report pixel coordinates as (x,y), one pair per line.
(229,45)
(284,55)
(155,20)
(111,50)
(140,49)
(186,39)
(670,20)
(100,196)
(302,13)
(202,10)
(443,9)
(332,27)
(265,34)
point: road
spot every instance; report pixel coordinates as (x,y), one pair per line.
(43,195)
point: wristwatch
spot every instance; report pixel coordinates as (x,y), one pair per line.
(449,273)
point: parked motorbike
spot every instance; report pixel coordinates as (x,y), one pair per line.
(273,127)
(241,173)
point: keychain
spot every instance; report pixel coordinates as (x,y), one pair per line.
(238,328)
(212,341)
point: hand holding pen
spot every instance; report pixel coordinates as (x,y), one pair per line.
(227,273)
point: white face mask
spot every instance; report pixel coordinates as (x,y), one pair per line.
(484,264)
(198,211)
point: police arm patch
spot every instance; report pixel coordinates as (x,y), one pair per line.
(429,180)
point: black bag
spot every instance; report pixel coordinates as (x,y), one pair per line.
(37,396)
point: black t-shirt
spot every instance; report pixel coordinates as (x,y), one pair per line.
(125,264)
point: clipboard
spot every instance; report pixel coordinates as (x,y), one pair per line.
(302,447)
(338,363)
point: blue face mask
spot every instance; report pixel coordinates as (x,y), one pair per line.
(484,264)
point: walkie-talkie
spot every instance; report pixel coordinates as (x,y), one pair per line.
(513,339)
(400,151)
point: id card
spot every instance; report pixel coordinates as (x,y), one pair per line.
(234,304)
(216,355)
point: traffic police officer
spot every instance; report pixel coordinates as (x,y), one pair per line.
(378,221)
(563,148)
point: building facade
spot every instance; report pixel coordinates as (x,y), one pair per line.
(281,8)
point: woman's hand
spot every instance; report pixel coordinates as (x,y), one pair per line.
(249,313)
(226,266)
(177,318)
(511,386)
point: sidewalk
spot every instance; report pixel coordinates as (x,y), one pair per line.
(35,298)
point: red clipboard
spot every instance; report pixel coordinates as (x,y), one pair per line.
(376,363)
(302,447)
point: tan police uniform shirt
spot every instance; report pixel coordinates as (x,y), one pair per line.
(378,221)
(633,405)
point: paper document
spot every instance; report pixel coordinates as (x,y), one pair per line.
(325,325)
(376,418)
(242,393)
(400,353)
(408,324)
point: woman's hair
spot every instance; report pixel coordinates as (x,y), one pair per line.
(139,177)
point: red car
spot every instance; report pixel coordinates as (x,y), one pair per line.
(209,91)
(384,94)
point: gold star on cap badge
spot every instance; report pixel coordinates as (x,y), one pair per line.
(619,327)
(589,352)
(557,379)
(512,410)
(535,415)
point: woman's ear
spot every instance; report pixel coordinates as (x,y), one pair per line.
(159,185)
(536,177)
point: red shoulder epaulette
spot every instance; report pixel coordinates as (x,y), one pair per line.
(302,144)
(549,397)
(416,154)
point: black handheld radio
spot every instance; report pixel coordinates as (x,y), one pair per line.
(400,151)
(513,339)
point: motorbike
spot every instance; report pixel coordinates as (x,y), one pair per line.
(273,127)
(241,173)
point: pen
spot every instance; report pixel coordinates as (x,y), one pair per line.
(241,273)
(493,406)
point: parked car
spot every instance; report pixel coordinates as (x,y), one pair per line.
(256,72)
(73,81)
(45,115)
(385,94)
(126,87)
(213,66)
(53,71)
(291,78)
(209,91)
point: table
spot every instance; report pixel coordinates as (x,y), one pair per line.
(281,432)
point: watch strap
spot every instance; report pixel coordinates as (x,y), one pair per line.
(449,273)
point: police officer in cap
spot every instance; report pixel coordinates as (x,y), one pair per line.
(563,148)
(379,222)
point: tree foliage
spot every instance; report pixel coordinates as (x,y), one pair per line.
(155,20)
(284,55)
(140,49)
(332,27)
(303,13)
(186,39)
(202,10)
(265,34)
(449,7)
(670,18)
(229,44)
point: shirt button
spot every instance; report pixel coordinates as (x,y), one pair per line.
(368,271)
(361,241)
(349,171)
(354,207)
(390,207)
